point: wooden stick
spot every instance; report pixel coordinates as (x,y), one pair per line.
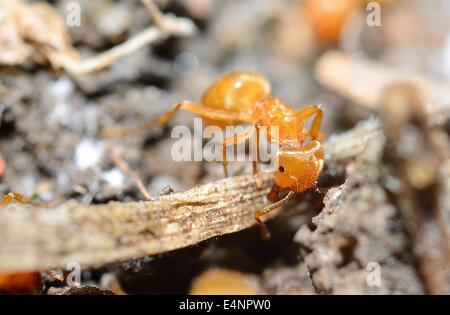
(166,25)
(107,58)
(38,239)
(123,166)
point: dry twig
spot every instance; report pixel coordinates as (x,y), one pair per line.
(166,25)
(35,31)
(38,239)
(123,165)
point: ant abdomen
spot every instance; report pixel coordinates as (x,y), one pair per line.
(236,92)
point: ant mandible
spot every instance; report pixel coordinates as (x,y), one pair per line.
(244,98)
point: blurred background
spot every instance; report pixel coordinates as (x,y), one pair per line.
(49,123)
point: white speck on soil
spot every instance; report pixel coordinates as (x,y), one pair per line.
(62,89)
(114,178)
(88,153)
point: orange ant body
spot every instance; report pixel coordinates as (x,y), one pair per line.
(244,98)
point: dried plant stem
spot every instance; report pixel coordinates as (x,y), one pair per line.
(107,58)
(152,8)
(122,164)
(39,239)
(166,25)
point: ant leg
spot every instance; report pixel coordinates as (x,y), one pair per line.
(234,139)
(256,160)
(214,114)
(309,111)
(265,234)
(202,111)
(10,197)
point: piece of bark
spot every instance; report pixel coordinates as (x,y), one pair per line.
(36,31)
(43,238)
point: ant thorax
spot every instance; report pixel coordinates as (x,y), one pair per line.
(284,125)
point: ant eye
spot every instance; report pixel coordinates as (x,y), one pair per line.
(281,169)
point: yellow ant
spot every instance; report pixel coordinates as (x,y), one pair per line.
(244,98)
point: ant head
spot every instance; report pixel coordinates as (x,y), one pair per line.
(237,91)
(298,167)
